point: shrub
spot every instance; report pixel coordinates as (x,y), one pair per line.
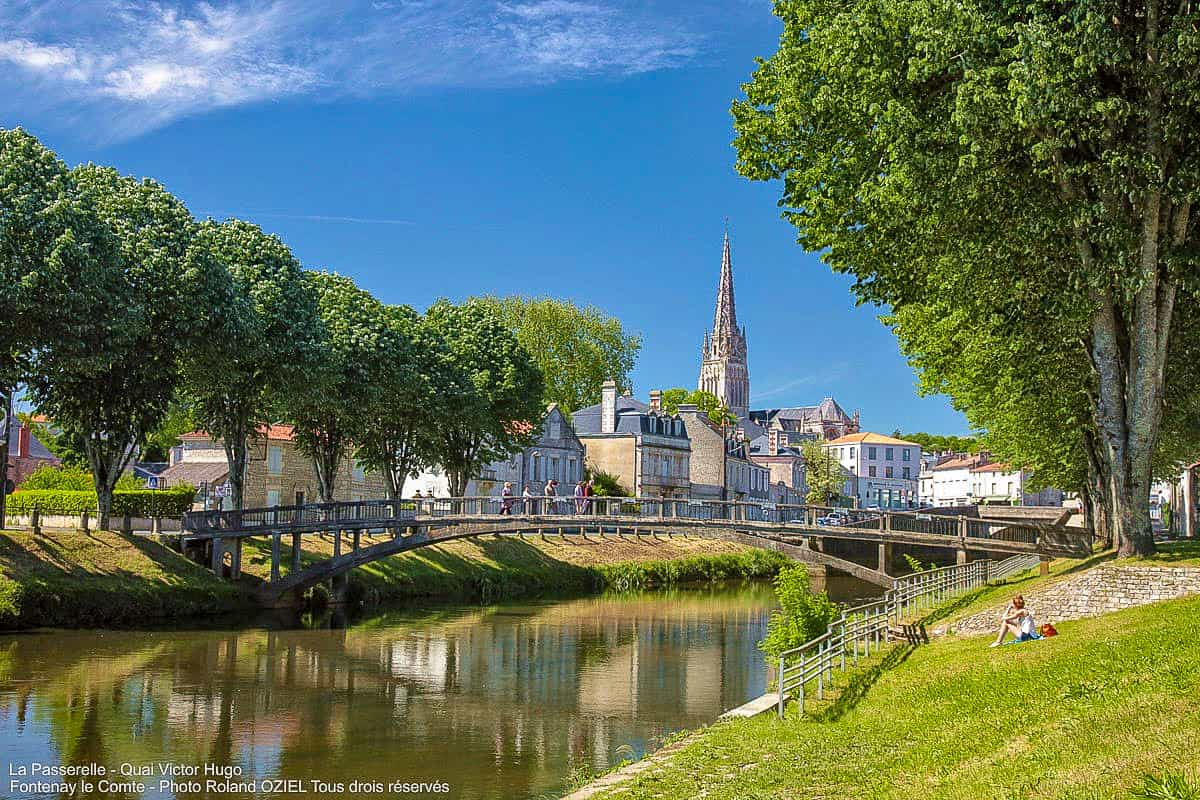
(1168,786)
(171,502)
(71,479)
(803,614)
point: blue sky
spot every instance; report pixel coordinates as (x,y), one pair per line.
(576,148)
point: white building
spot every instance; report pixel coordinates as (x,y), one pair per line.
(886,469)
(951,483)
(1000,484)
(925,479)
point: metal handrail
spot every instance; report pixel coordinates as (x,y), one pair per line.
(864,628)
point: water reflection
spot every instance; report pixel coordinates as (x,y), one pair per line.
(501,702)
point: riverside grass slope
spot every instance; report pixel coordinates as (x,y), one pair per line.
(1084,715)
(102,579)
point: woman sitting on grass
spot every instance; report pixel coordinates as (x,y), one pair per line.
(1018,621)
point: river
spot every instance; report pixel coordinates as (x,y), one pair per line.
(506,701)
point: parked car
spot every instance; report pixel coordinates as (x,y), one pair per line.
(834,518)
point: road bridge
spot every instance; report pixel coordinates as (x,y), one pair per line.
(798,531)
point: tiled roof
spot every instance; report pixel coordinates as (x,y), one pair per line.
(870,438)
(194,472)
(959,462)
(995,466)
(284,433)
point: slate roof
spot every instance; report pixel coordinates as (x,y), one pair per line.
(630,416)
(39,450)
(827,409)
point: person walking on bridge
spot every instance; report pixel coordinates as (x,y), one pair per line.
(580,497)
(550,491)
(506,495)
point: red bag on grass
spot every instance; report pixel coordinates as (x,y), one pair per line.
(1049,630)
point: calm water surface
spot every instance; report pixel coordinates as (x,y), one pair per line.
(498,702)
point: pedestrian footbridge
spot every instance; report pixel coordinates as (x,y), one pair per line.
(799,531)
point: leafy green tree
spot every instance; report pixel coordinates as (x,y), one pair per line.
(577,349)
(501,405)
(707,402)
(66,447)
(162,301)
(803,614)
(267,351)
(349,375)
(178,420)
(940,443)
(398,437)
(822,473)
(605,483)
(1035,162)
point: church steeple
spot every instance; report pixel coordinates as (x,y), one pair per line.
(725,320)
(723,370)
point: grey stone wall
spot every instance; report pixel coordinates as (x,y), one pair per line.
(1090,594)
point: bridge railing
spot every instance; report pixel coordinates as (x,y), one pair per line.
(861,630)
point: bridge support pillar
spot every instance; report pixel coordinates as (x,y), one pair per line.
(295,553)
(885,558)
(816,543)
(235,570)
(1044,566)
(337,543)
(218,556)
(275,548)
(357,538)
(960,556)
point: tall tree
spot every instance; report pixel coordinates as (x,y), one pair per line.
(398,431)
(267,351)
(577,349)
(822,474)
(991,151)
(163,300)
(502,403)
(350,373)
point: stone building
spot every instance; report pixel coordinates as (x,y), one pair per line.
(999,484)
(277,473)
(555,453)
(26,454)
(785,465)
(826,420)
(647,449)
(721,468)
(723,369)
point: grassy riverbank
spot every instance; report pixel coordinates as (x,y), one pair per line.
(491,568)
(71,579)
(1086,714)
(99,579)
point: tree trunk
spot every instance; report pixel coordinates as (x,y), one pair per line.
(325,464)
(458,480)
(107,459)
(236,455)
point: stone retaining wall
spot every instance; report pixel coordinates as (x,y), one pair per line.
(1097,591)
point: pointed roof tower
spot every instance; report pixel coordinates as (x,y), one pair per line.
(725,320)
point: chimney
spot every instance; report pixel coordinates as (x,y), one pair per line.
(656,399)
(773,442)
(608,407)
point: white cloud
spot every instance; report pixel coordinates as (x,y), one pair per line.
(126,66)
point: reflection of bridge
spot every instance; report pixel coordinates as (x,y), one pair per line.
(797,531)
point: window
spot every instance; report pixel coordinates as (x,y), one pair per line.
(888,453)
(358,472)
(871,453)
(275,460)
(906,454)
(553,467)
(572,476)
(887,472)
(272,498)
(664,467)
(871,471)
(537,464)
(907,471)
(851,453)
(554,429)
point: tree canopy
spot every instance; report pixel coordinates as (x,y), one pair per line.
(577,349)
(707,402)
(1030,168)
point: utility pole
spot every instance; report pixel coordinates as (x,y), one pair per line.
(6,413)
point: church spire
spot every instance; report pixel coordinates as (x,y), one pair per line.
(725,320)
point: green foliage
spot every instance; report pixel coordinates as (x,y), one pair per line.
(707,402)
(822,473)
(605,483)
(66,446)
(629,576)
(172,502)
(803,615)
(501,406)
(177,421)
(67,478)
(576,349)
(1167,786)
(941,443)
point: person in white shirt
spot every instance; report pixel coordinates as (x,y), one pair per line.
(1016,620)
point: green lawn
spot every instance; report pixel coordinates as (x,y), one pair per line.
(99,579)
(1086,714)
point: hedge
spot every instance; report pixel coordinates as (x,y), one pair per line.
(171,502)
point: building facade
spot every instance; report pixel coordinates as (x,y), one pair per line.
(1000,484)
(827,420)
(721,468)
(723,369)
(784,465)
(277,474)
(646,449)
(886,468)
(26,454)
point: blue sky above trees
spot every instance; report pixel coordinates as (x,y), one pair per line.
(451,148)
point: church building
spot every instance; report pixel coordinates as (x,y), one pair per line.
(723,370)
